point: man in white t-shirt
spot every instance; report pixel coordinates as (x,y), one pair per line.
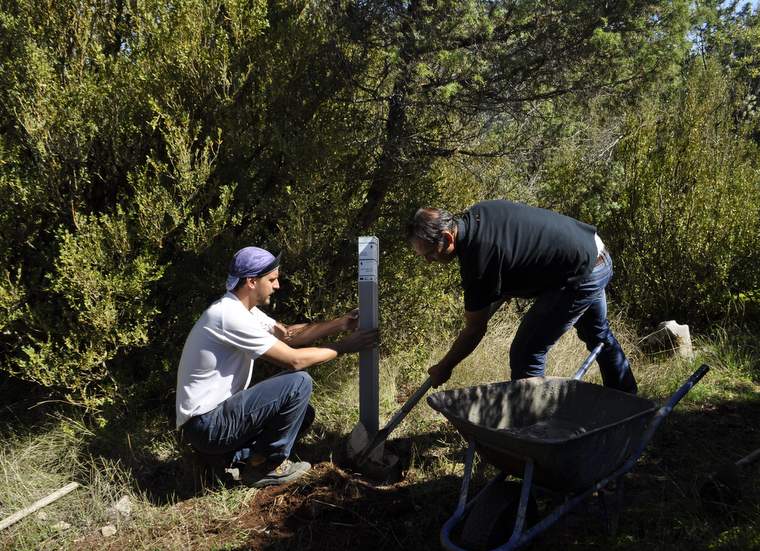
(216,411)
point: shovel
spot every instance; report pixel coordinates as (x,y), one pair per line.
(361,447)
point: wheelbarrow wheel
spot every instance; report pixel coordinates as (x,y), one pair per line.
(491,519)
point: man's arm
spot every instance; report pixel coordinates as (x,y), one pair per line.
(297,359)
(476,324)
(303,334)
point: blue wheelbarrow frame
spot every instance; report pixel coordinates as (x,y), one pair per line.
(615,448)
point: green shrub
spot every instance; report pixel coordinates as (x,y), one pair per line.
(676,199)
(141,144)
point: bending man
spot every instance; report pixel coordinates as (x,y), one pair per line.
(216,411)
(507,250)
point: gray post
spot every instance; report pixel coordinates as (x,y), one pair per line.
(369,360)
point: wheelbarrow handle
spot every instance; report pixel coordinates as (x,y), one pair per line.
(665,410)
(686,387)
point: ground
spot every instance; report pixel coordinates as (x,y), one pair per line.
(665,505)
(335,508)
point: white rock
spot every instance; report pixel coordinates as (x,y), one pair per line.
(123,507)
(671,336)
(61,525)
(108,530)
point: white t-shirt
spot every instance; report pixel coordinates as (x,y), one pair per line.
(599,244)
(217,359)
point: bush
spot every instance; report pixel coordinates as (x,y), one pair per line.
(676,200)
(141,145)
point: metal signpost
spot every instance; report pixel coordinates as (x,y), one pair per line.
(369,360)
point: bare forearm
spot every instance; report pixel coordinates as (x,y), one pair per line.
(297,359)
(302,358)
(467,340)
(304,334)
(307,357)
(476,325)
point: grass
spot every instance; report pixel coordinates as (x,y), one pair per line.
(138,457)
(32,466)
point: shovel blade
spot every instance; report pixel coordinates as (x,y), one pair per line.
(378,464)
(358,442)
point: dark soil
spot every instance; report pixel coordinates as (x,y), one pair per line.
(334,509)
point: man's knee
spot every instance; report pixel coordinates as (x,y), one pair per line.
(593,336)
(592,331)
(302,382)
(306,378)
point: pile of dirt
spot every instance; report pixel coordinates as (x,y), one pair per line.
(334,509)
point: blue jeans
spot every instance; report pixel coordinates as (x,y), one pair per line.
(557,310)
(263,419)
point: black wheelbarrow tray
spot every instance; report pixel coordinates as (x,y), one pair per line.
(565,435)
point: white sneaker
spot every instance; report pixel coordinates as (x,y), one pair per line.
(285,472)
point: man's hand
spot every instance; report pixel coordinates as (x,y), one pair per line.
(350,320)
(476,324)
(281,332)
(439,374)
(358,340)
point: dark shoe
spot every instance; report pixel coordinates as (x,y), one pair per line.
(285,472)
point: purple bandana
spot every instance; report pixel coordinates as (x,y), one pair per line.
(250,262)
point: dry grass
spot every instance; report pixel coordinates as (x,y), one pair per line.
(34,466)
(132,460)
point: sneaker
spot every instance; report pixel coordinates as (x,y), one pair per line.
(285,472)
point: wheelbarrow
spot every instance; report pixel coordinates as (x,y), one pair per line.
(563,435)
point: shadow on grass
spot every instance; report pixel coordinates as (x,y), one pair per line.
(147,447)
(663,508)
(145,444)
(24,407)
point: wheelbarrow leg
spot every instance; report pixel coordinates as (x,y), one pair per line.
(469,455)
(462,503)
(463,506)
(527,482)
(611,502)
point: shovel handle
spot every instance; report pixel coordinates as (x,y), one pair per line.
(407,407)
(586,364)
(383,433)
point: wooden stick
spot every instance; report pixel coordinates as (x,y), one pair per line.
(39,504)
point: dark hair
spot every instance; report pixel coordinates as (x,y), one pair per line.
(428,225)
(240,283)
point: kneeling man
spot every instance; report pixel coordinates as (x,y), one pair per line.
(216,411)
